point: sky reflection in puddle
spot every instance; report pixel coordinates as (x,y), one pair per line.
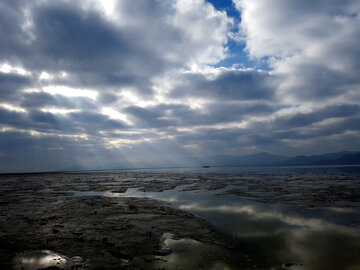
(191,254)
(271,236)
(39,259)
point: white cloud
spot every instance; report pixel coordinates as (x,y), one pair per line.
(114,114)
(207,34)
(11,107)
(8,68)
(70,92)
(311,44)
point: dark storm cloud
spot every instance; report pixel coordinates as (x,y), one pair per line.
(10,84)
(182,115)
(95,50)
(79,38)
(36,121)
(227,136)
(305,119)
(338,127)
(108,98)
(320,82)
(73,123)
(145,117)
(12,118)
(42,99)
(270,134)
(93,122)
(225,112)
(24,152)
(11,19)
(228,85)
(305,126)
(65,37)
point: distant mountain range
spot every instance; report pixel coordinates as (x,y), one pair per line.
(266,159)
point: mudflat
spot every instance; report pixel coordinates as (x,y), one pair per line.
(88,221)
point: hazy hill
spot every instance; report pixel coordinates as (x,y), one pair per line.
(266,159)
(324,159)
(349,159)
(260,159)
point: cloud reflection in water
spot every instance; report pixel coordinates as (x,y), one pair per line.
(270,236)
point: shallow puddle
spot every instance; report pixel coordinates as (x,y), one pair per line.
(275,236)
(39,259)
(269,236)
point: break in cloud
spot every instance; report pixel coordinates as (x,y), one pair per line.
(113,84)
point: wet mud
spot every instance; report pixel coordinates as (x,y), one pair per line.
(44,224)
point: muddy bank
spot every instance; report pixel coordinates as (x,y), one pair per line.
(44,213)
(301,190)
(104,232)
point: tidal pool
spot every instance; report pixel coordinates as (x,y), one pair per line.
(39,259)
(268,236)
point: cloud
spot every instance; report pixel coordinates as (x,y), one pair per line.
(10,84)
(132,78)
(227,85)
(311,45)
(145,38)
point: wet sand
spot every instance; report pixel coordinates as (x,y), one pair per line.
(88,222)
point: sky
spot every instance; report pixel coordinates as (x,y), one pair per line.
(120,84)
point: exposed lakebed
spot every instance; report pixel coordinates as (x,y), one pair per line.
(180,221)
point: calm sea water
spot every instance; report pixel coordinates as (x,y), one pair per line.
(348,170)
(269,236)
